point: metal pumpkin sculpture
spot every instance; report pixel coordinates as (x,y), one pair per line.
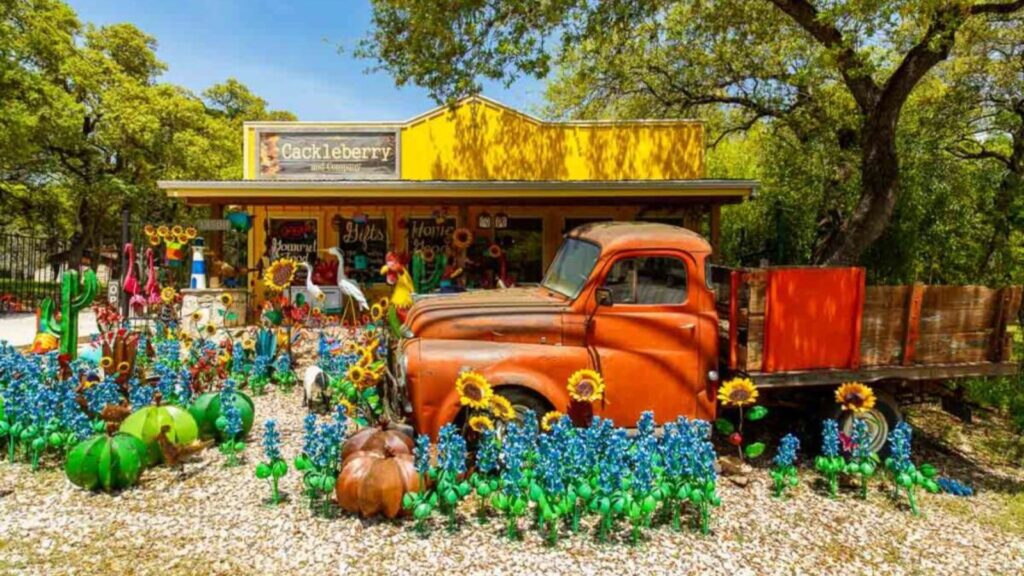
(373,483)
(146,423)
(106,462)
(378,439)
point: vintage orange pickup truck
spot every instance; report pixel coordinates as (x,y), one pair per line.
(642,304)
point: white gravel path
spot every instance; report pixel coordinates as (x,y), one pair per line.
(214,522)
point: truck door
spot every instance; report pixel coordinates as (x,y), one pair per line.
(647,337)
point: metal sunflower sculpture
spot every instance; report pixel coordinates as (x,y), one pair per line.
(585,387)
(280,274)
(740,393)
(855,397)
(474,390)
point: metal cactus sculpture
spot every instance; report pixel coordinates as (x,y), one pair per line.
(422,282)
(74,297)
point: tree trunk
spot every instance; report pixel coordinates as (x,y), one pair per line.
(880,174)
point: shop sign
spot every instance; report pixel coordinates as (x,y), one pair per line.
(427,232)
(293,238)
(213,225)
(364,241)
(351,154)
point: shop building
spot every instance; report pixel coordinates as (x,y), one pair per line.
(512,180)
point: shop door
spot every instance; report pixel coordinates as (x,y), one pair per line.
(647,339)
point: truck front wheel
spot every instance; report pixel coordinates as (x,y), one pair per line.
(880,420)
(523,400)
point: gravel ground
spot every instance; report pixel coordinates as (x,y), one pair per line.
(213,520)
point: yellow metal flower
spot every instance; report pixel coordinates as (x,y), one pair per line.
(106,362)
(149,230)
(384,302)
(177,230)
(350,347)
(502,409)
(191,232)
(549,419)
(154,240)
(356,373)
(376,312)
(480,423)
(586,386)
(163,231)
(474,390)
(855,397)
(226,299)
(168,294)
(280,274)
(123,367)
(182,238)
(365,356)
(197,316)
(224,358)
(210,330)
(350,408)
(462,238)
(248,344)
(738,392)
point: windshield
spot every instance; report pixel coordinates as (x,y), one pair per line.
(572,267)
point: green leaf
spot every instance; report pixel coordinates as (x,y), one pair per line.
(928,470)
(756,413)
(263,471)
(724,427)
(754,450)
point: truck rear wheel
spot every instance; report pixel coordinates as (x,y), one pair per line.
(880,420)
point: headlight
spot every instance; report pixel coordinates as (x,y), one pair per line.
(713,375)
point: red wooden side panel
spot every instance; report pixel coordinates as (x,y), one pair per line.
(812,318)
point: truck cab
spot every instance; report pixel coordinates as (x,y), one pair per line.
(630,300)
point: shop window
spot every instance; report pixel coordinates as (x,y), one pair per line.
(523,244)
(364,242)
(647,280)
(571,223)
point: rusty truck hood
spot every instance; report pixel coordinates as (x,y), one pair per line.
(531,315)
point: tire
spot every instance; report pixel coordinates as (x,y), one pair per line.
(881,420)
(523,400)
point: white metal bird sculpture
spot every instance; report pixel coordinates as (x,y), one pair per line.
(314,291)
(348,287)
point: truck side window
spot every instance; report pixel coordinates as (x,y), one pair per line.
(647,280)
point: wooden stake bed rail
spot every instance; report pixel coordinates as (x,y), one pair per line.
(915,332)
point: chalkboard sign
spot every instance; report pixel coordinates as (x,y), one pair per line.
(293,238)
(365,244)
(424,232)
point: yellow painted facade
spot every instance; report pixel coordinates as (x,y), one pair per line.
(478,139)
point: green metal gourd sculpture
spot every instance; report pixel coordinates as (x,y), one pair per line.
(106,462)
(207,408)
(74,297)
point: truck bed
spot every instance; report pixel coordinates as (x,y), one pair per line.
(819,326)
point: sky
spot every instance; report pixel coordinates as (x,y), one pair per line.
(285,51)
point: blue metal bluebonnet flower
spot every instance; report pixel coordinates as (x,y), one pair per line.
(644,453)
(271,440)
(861,439)
(487,454)
(954,487)
(451,450)
(140,396)
(309,433)
(549,464)
(229,410)
(103,393)
(513,458)
(422,453)
(238,359)
(899,446)
(830,438)
(786,454)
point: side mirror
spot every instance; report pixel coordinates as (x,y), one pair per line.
(603,296)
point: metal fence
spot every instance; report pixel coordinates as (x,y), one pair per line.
(30,269)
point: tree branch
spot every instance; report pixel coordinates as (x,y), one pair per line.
(863,87)
(996,7)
